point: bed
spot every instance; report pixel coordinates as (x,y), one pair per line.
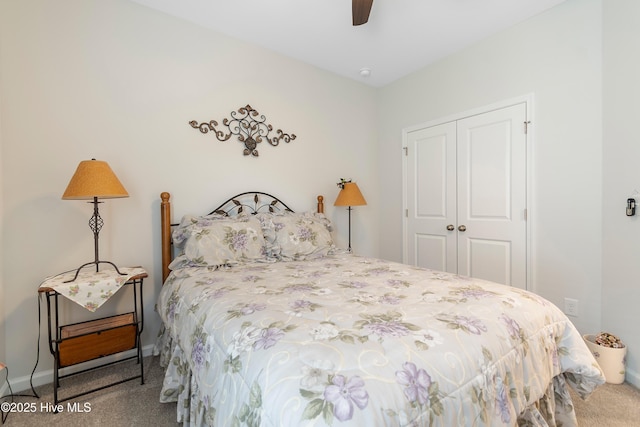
(267,323)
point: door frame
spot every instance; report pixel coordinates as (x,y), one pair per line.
(528,100)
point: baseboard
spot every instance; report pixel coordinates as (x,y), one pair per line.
(632,378)
(23,383)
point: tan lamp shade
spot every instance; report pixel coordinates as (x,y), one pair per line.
(94,178)
(350,195)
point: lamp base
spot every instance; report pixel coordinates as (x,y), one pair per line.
(96,263)
(350,209)
(95,223)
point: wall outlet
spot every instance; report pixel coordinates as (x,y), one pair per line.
(571,307)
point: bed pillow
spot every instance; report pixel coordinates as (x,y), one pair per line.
(189,223)
(220,241)
(296,236)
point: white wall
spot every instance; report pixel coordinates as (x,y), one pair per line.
(2,297)
(621,154)
(557,57)
(119,82)
(116,81)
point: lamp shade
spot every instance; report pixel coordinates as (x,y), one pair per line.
(94,178)
(350,195)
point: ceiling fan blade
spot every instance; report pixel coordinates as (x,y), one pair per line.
(360,11)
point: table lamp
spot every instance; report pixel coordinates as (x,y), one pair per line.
(94,180)
(349,195)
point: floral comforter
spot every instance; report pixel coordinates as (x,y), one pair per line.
(347,340)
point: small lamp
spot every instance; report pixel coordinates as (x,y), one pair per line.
(349,195)
(94,180)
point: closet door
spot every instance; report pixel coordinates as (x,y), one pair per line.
(466,196)
(492,196)
(431,197)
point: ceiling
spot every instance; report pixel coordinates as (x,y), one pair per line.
(401,36)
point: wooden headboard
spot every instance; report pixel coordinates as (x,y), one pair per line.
(248,202)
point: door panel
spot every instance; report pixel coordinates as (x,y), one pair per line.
(486,159)
(431,197)
(491,182)
(431,251)
(489,260)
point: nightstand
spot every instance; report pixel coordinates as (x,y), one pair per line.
(75,343)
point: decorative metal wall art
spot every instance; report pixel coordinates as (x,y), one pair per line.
(250,127)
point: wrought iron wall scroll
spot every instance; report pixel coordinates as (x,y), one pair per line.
(250,127)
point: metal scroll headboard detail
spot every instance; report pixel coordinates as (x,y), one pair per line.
(250,127)
(251,202)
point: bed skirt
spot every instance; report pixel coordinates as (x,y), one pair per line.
(554,409)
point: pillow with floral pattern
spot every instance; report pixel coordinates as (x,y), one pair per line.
(221,241)
(296,236)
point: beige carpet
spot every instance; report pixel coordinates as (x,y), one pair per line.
(132,404)
(126,404)
(611,405)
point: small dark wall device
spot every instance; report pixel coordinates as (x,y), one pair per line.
(631,207)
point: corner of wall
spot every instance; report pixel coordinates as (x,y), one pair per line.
(3,346)
(2,298)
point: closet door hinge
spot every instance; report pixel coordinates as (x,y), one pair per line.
(406,150)
(526,126)
(406,213)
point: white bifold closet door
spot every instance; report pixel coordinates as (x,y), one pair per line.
(466,196)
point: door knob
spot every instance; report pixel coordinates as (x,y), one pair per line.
(450,227)
(462,228)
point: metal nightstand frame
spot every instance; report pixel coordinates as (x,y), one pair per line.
(106,326)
